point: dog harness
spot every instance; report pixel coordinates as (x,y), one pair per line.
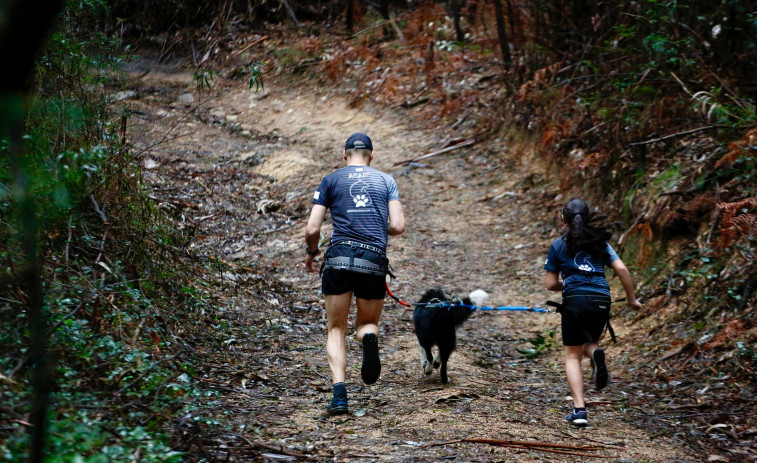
(356,257)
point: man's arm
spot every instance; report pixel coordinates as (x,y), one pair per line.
(396,218)
(313,235)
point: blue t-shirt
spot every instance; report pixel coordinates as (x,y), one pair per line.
(558,261)
(358,197)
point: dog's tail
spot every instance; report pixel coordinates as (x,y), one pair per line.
(478,297)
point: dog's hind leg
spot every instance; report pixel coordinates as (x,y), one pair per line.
(445,350)
(437,362)
(444,357)
(425,360)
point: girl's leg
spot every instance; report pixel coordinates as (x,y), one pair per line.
(573,356)
(588,348)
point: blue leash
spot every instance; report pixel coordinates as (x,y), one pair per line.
(448,305)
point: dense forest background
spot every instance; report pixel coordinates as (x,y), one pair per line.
(645,106)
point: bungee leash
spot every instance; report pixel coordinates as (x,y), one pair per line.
(448,304)
(398,300)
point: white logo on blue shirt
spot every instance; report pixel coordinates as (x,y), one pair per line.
(359,193)
(583,262)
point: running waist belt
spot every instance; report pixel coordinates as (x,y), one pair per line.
(586,273)
(356,257)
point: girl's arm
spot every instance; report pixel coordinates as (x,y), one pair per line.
(552,281)
(625,279)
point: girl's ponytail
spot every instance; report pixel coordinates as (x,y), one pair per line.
(582,234)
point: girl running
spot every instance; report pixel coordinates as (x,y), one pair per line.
(580,257)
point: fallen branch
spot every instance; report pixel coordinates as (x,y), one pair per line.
(175,124)
(484,440)
(280,449)
(467,142)
(410,104)
(291,12)
(622,239)
(678,134)
(678,351)
(540,446)
(254,42)
(397,30)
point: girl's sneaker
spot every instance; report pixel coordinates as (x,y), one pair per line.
(599,369)
(578,418)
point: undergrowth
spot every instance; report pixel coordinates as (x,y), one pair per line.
(116,299)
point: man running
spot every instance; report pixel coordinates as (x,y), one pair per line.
(365,209)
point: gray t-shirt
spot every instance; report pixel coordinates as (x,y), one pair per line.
(358,197)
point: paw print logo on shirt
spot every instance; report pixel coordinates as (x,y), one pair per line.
(582,261)
(360,200)
(360,193)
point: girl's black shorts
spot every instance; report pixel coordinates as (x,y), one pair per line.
(362,285)
(584,317)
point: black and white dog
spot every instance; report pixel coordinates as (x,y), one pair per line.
(435,325)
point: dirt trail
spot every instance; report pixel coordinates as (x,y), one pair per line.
(242,171)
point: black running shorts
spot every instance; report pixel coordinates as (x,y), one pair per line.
(584,317)
(362,285)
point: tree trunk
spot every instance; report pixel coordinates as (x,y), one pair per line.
(472,10)
(384,10)
(456,6)
(513,21)
(22,33)
(350,15)
(504,45)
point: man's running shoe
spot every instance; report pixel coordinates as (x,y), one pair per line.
(578,418)
(338,404)
(371,368)
(599,369)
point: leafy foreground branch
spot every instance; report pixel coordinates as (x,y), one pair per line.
(114,306)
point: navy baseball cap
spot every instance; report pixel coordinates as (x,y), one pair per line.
(358,141)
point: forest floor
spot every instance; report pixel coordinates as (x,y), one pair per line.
(239,168)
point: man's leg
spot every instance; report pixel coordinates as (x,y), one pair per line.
(337,313)
(368,314)
(366,323)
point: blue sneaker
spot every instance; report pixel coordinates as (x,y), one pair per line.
(338,404)
(578,418)
(371,368)
(599,369)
